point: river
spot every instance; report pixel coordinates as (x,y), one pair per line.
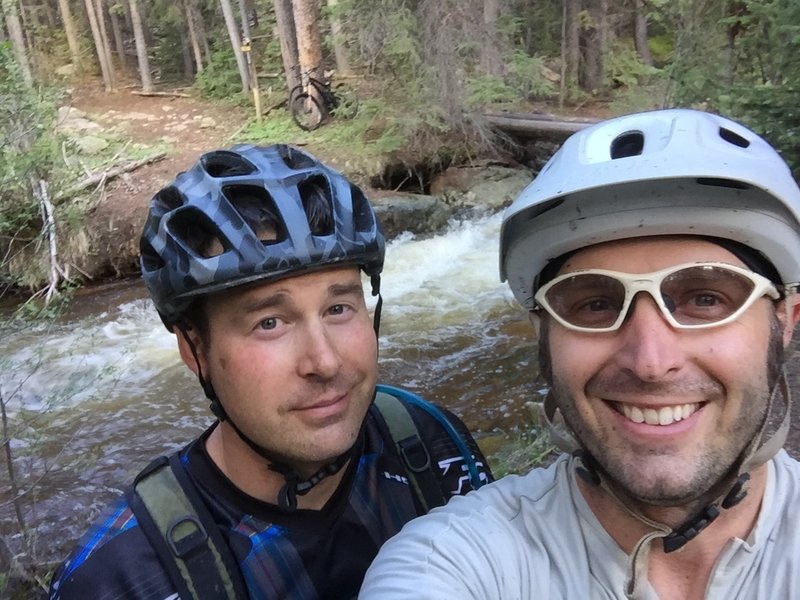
(106,389)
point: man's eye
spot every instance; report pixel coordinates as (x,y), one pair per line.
(707,300)
(269,323)
(336,309)
(593,305)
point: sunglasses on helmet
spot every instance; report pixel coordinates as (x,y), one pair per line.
(690,295)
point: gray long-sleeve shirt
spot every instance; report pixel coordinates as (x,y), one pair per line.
(534,536)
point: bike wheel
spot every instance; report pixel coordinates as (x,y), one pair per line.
(346,102)
(306,112)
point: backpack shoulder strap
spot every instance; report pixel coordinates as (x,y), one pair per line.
(181,530)
(412,450)
(434,411)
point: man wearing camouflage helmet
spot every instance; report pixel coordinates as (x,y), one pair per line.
(254,258)
(659,256)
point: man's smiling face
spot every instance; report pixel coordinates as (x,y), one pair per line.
(665,412)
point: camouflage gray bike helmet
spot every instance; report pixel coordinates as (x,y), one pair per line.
(246,214)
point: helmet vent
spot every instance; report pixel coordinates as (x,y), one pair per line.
(627,144)
(258,209)
(294,158)
(720,182)
(196,232)
(151,260)
(362,214)
(224,163)
(167,200)
(316,196)
(733,138)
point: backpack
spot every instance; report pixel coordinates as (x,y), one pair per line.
(197,559)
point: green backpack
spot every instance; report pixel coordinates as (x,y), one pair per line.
(198,561)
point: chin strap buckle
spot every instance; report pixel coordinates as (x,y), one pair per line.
(682,535)
(689,530)
(294,486)
(737,493)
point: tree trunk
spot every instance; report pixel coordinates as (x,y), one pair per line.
(288,38)
(102,57)
(30,28)
(119,40)
(236,42)
(71,34)
(640,33)
(48,18)
(491,62)
(570,49)
(11,12)
(309,46)
(194,40)
(339,45)
(141,47)
(595,34)
(245,21)
(100,10)
(188,59)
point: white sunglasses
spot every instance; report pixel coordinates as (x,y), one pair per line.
(690,295)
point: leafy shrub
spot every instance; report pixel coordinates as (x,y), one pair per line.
(624,66)
(483,91)
(220,79)
(28,148)
(526,76)
(773,112)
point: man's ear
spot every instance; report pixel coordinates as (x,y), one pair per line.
(789,316)
(185,336)
(536,321)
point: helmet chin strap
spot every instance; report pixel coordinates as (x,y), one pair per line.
(375,281)
(758,452)
(295,484)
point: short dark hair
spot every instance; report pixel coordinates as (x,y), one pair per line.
(264,221)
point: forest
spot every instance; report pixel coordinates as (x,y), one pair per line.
(425,75)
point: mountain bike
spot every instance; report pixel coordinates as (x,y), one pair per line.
(304,106)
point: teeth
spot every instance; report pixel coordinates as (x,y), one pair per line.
(666,415)
(634,413)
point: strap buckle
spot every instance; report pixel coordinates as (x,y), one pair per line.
(184,543)
(415,454)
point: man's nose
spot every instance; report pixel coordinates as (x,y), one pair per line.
(650,347)
(319,355)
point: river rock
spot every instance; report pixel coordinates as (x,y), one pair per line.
(417,213)
(90,144)
(70,119)
(490,186)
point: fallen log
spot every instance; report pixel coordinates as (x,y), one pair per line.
(106,174)
(166,94)
(532,125)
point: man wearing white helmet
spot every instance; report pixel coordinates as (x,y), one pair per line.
(659,256)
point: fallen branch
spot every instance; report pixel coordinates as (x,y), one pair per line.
(166,94)
(107,174)
(49,230)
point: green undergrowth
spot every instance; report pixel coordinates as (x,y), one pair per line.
(520,450)
(357,145)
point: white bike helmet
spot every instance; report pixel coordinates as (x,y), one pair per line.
(656,173)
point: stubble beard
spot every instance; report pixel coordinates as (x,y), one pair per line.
(647,476)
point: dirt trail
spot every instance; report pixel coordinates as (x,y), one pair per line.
(191,126)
